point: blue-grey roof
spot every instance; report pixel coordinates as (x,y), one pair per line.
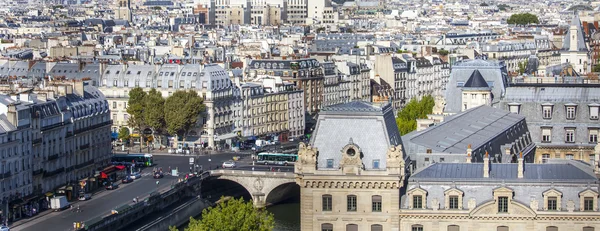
(503,172)
(494,73)
(574,94)
(476,81)
(371,127)
(581,45)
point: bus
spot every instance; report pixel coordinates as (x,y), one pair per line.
(138,159)
(276,158)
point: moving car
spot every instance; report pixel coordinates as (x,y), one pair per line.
(112,186)
(4,228)
(126,180)
(158,175)
(136,175)
(228,164)
(85,196)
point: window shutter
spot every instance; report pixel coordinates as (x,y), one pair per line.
(546,131)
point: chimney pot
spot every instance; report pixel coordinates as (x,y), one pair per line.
(520,166)
(486,166)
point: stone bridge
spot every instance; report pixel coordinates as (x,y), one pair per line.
(266,188)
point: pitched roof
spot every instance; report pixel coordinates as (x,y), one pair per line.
(581,45)
(476,81)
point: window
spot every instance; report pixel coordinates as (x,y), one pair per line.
(416,228)
(327,199)
(124,104)
(547,112)
(473,96)
(545,158)
(503,204)
(376,228)
(417,201)
(351,203)
(552,202)
(593,136)
(570,135)
(453,228)
(326,227)
(502,228)
(375,164)
(514,108)
(546,135)
(114,105)
(593,160)
(453,202)
(376,203)
(571,112)
(351,227)
(594,112)
(329,163)
(569,156)
(588,228)
(588,204)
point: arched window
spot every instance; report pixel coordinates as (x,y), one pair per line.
(416,228)
(588,228)
(326,227)
(376,228)
(351,227)
(551,228)
(502,228)
(453,228)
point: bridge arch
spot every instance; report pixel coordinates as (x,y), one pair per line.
(213,188)
(282,193)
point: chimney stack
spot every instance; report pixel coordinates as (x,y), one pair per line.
(486,165)
(520,167)
(469,152)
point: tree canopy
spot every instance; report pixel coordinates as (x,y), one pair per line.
(523,19)
(233,215)
(124,133)
(443,52)
(415,109)
(181,111)
(135,109)
(154,114)
(523,66)
(596,68)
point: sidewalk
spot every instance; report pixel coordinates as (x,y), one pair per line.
(202,153)
(48,211)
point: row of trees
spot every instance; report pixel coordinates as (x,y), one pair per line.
(232,215)
(415,109)
(175,115)
(523,19)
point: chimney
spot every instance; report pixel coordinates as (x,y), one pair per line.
(520,167)
(78,87)
(507,151)
(469,152)
(486,166)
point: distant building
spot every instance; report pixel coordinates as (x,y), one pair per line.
(574,49)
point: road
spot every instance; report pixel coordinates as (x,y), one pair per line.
(102,203)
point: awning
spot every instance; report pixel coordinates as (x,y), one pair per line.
(70,188)
(85,179)
(103,175)
(226,136)
(115,135)
(120,167)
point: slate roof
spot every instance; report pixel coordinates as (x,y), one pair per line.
(476,81)
(369,126)
(565,172)
(475,126)
(581,45)
(573,94)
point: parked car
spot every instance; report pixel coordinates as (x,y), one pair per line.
(112,186)
(228,164)
(126,180)
(136,175)
(85,196)
(4,228)
(158,175)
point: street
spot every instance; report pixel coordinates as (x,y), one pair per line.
(102,203)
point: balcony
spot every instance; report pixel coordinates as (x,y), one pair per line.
(6,175)
(38,172)
(55,172)
(84,146)
(69,134)
(36,141)
(107,123)
(48,127)
(53,157)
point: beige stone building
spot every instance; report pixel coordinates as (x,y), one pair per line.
(349,180)
(489,196)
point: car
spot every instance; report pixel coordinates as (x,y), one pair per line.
(4,228)
(136,175)
(126,180)
(228,164)
(158,175)
(85,196)
(112,186)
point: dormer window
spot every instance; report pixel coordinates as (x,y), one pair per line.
(588,200)
(503,197)
(417,198)
(594,111)
(552,200)
(514,108)
(571,112)
(454,198)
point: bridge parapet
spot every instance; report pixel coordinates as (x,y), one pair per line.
(254,182)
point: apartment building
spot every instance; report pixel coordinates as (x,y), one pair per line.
(574,50)
(336,88)
(358,76)
(210,81)
(297,11)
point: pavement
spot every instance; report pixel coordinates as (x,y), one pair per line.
(104,201)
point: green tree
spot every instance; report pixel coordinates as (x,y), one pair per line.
(523,19)
(503,7)
(154,114)
(523,66)
(124,134)
(483,4)
(135,109)
(415,109)
(597,68)
(443,52)
(182,110)
(233,215)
